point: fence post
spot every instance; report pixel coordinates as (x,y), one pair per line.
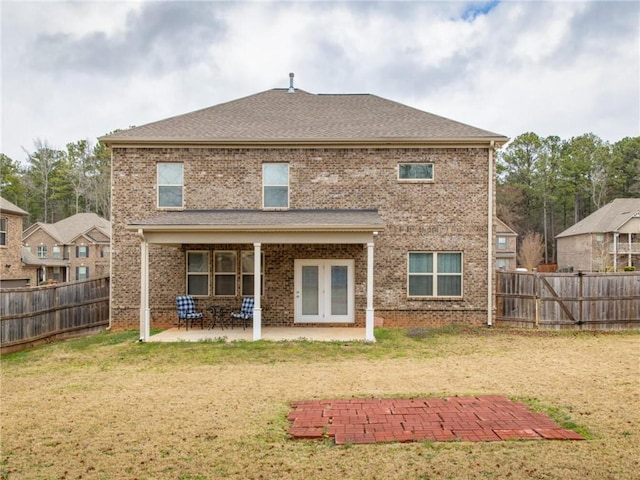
(536,299)
(580,299)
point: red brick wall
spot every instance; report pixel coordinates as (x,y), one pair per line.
(449,213)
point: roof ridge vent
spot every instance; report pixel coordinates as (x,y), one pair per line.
(291,89)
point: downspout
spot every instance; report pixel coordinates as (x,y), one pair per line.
(110,246)
(490,237)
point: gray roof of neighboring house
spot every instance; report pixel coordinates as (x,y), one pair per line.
(7,206)
(68,229)
(607,219)
(301,117)
(259,219)
(29,258)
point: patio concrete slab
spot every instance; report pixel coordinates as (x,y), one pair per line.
(486,418)
(317,334)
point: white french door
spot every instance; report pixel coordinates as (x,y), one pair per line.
(324,291)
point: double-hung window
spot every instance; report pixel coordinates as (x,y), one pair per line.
(42,251)
(198,273)
(170,185)
(56,252)
(82,251)
(248,273)
(3,231)
(275,185)
(502,243)
(224,273)
(435,274)
(82,273)
(415,171)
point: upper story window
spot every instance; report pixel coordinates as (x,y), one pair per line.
(415,171)
(42,251)
(198,273)
(502,243)
(3,231)
(435,274)
(56,252)
(105,252)
(170,185)
(275,185)
(82,251)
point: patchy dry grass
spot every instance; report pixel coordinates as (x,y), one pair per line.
(107,407)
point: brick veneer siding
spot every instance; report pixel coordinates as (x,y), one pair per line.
(11,266)
(448,214)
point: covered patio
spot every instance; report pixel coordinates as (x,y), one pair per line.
(274,334)
(260,228)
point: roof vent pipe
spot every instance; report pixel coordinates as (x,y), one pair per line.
(291,89)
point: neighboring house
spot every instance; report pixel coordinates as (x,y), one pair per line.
(506,246)
(606,240)
(13,272)
(344,206)
(76,248)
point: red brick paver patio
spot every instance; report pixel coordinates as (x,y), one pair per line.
(467,419)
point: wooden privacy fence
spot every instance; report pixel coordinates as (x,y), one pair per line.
(590,301)
(29,316)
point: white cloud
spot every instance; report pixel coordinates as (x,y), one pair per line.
(73,70)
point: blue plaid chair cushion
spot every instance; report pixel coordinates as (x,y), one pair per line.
(245,313)
(187,310)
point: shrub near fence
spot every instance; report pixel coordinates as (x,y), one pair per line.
(29,316)
(589,301)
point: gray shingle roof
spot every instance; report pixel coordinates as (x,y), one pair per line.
(258,219)
(68,229)
(275,115)
(607,219)
(7,206)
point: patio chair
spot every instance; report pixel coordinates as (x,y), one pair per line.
(245,314)
(187,311)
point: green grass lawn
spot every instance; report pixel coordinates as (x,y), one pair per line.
(109,407)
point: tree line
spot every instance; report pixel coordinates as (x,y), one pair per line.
(544,184)
(54,184)
(547,184)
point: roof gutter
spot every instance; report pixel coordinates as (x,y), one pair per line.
(479,142)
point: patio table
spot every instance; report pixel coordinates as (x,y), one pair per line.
(217,312)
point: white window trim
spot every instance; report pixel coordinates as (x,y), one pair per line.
(505,245)
(234,273)
(188,273)
(158,185)
(435,275)
(288,185)
(416,180)
(43,249)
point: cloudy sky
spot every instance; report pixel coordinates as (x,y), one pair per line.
(76,70)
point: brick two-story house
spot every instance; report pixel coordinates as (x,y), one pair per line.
(345,206)
(75,248)
(606,240)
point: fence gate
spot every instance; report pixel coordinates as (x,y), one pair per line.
(592,301)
